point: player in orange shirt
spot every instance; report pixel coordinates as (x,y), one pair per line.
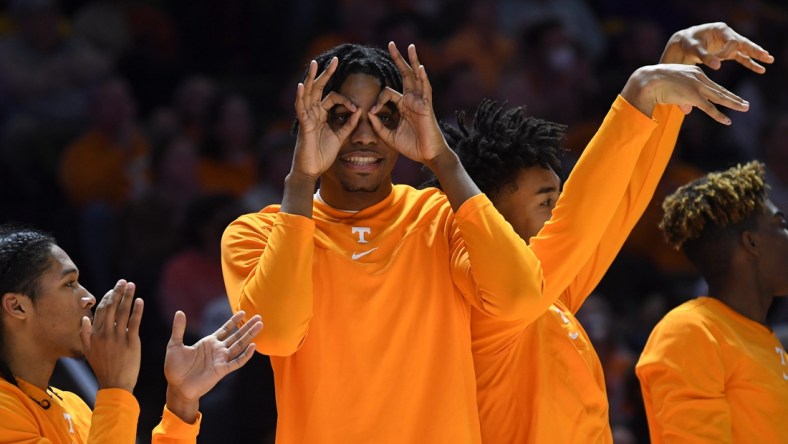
(543,382)
(712,371)
(45,314)
(366,287)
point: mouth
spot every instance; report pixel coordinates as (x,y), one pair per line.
(361,161)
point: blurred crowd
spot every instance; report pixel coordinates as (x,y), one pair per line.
(136,130)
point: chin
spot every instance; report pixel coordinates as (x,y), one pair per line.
(351,187)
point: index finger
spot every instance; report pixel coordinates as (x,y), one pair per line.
(124,307)
(408,76)
(107,306)
(323,78)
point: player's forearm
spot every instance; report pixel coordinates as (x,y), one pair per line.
(298,194)
(454,180)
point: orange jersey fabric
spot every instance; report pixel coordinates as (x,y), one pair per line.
(543,382)
(367,314)
(96,169)
(711,375)
(69,420)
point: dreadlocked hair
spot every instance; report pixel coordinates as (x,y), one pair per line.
(717,201)
(499,144)
(25,255)
(356,59)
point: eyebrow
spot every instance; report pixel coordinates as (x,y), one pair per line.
(545,190)
(68,271)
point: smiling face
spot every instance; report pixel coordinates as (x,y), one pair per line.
(57,311)
(528,203)
(361,174)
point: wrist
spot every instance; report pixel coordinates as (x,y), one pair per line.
(447,159)
(184,407)
(637,90)
(674,52)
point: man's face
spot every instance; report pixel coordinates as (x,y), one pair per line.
(529,203)
(58,310)
(362,170)
(773,233)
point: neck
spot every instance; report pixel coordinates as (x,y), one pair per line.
(26,361)
(354,200)
(744,297)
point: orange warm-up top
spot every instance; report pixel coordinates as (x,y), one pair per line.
(543,382)
(68,420)
(367,314)
(711,375)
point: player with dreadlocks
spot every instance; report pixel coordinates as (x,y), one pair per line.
(712,371)
(543,382)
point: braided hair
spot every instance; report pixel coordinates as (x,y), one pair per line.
(500,143)
(703,215)
(357,59)
(25,255)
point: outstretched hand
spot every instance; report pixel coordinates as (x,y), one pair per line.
(111,343)
(417,134)
(682,85)
(318,140)
(713,43)
(192,371)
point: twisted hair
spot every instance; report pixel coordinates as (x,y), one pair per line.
(718,201)
(25,255)
(500,143)
(356,59)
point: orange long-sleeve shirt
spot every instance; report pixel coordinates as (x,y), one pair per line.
(543,382)
(69,420)
(367,314)
(711,375)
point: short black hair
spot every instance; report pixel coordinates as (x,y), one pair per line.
(25,254)
(357,59)
(500,143)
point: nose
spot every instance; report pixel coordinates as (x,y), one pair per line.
(364,134)
(88,300)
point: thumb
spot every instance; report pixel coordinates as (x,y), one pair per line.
(178,328)
(686,109)
(84,334)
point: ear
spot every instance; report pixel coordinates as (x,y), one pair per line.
(15,305)
(750,242)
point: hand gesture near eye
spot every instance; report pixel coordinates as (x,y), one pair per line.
(318,141)
(417,134)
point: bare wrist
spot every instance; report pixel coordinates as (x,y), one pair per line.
(183,407)
(636,90)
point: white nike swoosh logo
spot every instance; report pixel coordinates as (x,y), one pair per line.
(573,335)
(357,256)
(785,376)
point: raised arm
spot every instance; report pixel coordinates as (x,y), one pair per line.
(688,46)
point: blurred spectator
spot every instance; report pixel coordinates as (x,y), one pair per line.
(45,76)
(578,18)
(227,161)
(551,75)
(47,73)
(104,170)
(193,98)
(479,44)
(109,163)
(192,278)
